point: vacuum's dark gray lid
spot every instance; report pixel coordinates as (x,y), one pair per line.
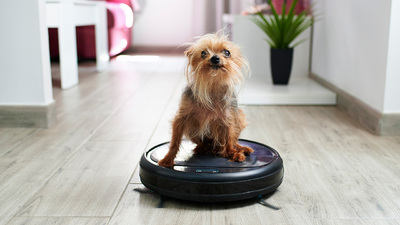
(186,160)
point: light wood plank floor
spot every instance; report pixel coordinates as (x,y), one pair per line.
(84,169)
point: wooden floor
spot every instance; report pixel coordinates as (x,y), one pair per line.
(84,169)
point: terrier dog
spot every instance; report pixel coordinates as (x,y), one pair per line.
(208,113)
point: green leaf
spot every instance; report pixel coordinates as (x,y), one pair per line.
(299,42)
(282,30)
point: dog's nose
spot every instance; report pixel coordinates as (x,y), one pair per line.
(215,59)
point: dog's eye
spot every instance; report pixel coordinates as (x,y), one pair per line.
(227,53)
(204,54)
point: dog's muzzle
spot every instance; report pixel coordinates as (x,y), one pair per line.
(215,62)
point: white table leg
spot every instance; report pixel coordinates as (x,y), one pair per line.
(101,33)
(67,46)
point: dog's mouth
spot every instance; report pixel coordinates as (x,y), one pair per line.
(216,66)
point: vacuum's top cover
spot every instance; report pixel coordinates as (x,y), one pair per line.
(186,161)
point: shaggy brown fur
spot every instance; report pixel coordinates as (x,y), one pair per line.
(208,114)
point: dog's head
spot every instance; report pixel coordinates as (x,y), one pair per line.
(214,62)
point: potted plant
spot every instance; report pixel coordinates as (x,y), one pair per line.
(281,31)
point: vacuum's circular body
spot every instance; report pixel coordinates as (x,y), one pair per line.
(209,178)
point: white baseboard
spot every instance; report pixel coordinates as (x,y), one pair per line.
(30,116)
(374,121)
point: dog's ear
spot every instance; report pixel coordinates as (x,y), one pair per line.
(189,52)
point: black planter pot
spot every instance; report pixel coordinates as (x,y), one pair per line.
(281,65)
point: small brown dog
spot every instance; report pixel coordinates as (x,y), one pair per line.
(208,114)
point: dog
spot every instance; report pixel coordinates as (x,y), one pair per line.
(208,113)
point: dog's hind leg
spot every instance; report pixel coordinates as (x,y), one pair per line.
(203,147)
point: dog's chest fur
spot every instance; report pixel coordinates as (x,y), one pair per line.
(208,121)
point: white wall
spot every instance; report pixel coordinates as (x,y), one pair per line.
(25,77)
(175,22)
(392,87)
(350,48)
(163,23)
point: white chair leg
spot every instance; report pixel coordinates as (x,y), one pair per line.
(101,33)
(67,47)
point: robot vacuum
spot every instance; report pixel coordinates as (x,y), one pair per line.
(209,178)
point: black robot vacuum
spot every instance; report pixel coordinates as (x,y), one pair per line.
(209,178)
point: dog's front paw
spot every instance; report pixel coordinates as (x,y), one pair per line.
(166,163)
(238,157)
(247,150)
